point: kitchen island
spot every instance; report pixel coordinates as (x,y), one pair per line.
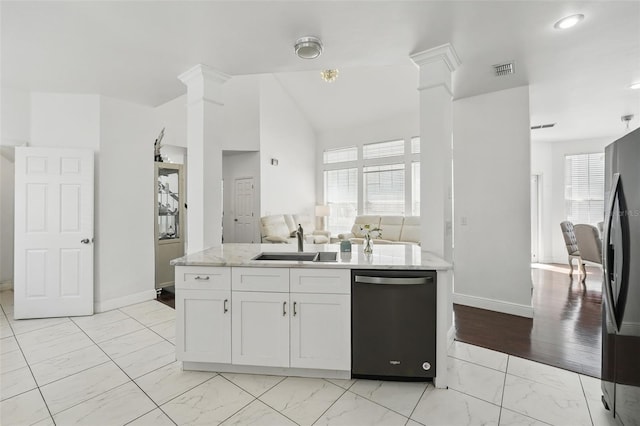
(286,317)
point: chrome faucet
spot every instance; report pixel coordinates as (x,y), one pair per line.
(300,236)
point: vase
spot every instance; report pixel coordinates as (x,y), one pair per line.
(368,244)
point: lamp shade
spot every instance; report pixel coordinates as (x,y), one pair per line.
(322,211)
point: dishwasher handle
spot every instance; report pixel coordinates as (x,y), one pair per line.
(392,280)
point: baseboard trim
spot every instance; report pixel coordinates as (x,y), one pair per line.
(111,304)
(493,305)
(6,285)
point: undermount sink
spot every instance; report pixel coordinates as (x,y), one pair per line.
(322,256)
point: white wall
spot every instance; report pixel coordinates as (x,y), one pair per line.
(286,135)
(239,165)
(547,159)
(241,98)
(15,108)
(172,116)
(491,141)
(125,185)
(6,221)
(65,120)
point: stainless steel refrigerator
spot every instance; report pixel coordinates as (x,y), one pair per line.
(621,280)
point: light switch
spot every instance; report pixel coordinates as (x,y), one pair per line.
(463,220)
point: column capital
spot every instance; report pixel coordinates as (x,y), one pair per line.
(203,72)
(444,53)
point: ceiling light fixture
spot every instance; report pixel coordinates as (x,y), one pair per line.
(568,21)
(308,47)
(635,86)
(329,75)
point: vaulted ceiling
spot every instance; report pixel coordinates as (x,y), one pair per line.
(579,78)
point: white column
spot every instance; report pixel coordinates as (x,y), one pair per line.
(436,179)
(204,156)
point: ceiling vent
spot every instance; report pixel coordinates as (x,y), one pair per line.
(543,126)
(503,69)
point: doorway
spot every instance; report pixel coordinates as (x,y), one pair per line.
(535,218)
(244,210)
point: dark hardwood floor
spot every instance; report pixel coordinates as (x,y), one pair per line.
(565,331)
(566,328)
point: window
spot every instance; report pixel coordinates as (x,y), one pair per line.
(341,195)
(340,155)
(383,149)
(584,188)
(415,188)
(415,145)
(384,189)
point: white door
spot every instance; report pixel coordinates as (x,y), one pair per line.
(535,218)
(321,331)
(203,322)
(260,328)
(53,273)
(244,211)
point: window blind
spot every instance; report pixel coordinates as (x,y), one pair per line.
(415,145)
(383,149)
(584,188)
(341,195)
(340,155)
(415,188)
(384,189)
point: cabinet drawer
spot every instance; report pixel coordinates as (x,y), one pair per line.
(260,279)
(203,278)
(334,281)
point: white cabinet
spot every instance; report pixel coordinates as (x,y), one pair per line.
(203,314)
(264,317)
(203,322)
(320,331)
(260,331)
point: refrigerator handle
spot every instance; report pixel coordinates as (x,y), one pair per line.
(608,250)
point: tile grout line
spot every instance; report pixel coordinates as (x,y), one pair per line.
(255,398)
(504,388)
(332,404)
(417,403)
(148,327)
(32,376)
(586,400)
(124,372)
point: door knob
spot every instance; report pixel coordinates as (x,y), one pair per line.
(85,241)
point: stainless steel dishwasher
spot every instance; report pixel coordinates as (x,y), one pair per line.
(393,323)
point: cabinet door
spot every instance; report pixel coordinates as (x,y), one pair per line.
(260,329)
(320,331)
(203,325)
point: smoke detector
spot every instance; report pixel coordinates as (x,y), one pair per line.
(503,69)
(308,47)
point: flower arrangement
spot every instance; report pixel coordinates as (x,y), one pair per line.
(369,231)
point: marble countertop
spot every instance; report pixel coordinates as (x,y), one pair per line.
(385,256)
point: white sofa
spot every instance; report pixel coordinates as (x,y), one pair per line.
(281,228)
(393,229)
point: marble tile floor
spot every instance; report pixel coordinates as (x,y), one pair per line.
(118,367)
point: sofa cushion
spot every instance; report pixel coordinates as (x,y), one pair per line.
(411,229)
(391,227)
(274,226)
(291,224)
(361,221)
(307,223)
